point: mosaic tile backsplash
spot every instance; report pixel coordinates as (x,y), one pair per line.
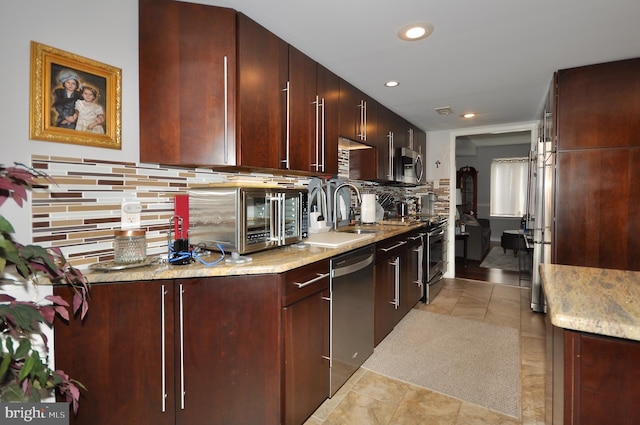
(81,211)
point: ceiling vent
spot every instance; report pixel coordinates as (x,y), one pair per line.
(445,110)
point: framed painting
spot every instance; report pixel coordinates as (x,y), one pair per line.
(74,99)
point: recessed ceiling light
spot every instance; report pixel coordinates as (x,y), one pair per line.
(469,115)
(392,83)
(413,32)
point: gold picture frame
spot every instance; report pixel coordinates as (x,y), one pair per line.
(54,114)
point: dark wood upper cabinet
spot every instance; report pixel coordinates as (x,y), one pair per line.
(313,115)
(358,115)
(598,105)
(187,83)
(597,221)
(598,156)
(386,142)
(328,85)
(218,89)
(262,98)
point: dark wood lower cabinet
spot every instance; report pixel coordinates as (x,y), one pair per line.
(201,351)
(397,286)
(306,356)
(592,379)
(191,351)
(305,326)
(117,353)
(231,352)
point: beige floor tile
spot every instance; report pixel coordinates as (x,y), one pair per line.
(503,312)
(470,414)
(357,409)
(533,351)
(508,292)
(381,388)
(469,307)
(421,406)
(532,392)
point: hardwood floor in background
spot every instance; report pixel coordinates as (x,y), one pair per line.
(473,271)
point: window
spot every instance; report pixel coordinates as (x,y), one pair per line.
(509,187)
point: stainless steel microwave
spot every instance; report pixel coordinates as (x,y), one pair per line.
(247,219)
(408,167)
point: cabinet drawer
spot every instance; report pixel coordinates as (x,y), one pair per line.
(390,247)
(304,281)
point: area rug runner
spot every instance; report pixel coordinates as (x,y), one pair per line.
(465,359)
(498,259)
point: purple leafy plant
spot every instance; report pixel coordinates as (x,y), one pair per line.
(24,375)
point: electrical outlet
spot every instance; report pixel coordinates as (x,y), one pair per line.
(131,215)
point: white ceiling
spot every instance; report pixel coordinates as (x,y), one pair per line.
(492,57)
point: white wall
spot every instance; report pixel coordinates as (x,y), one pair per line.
(104,31)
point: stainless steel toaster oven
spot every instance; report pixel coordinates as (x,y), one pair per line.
(247,219)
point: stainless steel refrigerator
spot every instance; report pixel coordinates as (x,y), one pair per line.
(543,210)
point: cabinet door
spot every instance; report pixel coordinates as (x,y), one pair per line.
(187,83)
(598,105)
(413,279)
(304,112)
(228,350)
(596,217)
(328,85)
(601,379)
(386,293)
(385,143)
(358,114)
(262,97)
(117,352)
(306,352)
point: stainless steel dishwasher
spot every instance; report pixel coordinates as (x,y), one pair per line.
(351,314)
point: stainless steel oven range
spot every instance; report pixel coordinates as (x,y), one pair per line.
(435,248)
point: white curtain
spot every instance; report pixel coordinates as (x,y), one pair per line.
(509,187)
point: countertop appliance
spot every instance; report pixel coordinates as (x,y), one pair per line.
(351,314)
(407,167)
(247,219)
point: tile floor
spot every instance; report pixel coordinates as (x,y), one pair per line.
(368,398)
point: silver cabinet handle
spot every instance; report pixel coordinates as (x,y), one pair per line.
(322,137)
(287,89)
(328,357)
(365,121)
(316,163)
(182,389)
(393,247)
(226,112)
(420,251)
(396,300)
(309,282)
(413,238)
(390,162)
(163,348)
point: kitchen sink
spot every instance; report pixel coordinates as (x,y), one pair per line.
(337,239)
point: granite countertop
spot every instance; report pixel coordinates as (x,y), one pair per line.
(275,260)
(599,301)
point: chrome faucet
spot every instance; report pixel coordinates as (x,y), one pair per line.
(335,201)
